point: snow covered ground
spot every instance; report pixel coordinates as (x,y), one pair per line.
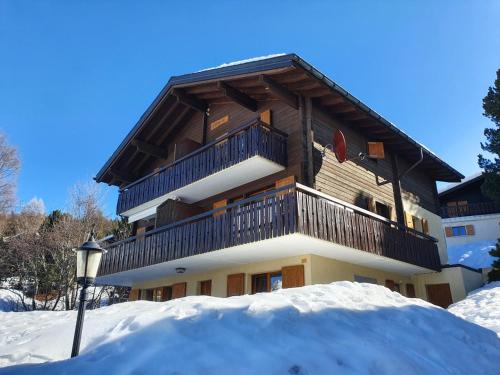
(475,254)
(481,306)
(340,328)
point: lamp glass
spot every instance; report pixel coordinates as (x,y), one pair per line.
(90,257)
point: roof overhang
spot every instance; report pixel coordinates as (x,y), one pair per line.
(287,72)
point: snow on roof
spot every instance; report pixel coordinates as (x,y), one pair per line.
(252,59)
(475,254)
(455,184)
(340,328)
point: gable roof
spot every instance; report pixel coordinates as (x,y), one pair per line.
(277,66)
(460,185)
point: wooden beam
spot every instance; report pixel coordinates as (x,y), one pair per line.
(150,149)
(332,100)
(237,96)
(281,92)
(190,100)
(396,188)
(355,116)
(122,176)
(343,108)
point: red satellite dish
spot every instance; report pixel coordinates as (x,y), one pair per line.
(339,146)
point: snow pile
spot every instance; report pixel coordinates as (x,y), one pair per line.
(481,306)
(340,328)
(475,254)
(9,301)
(252,59)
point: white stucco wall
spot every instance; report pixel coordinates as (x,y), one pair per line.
(486,227)
(435,225)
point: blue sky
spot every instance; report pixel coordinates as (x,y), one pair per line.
(76,76)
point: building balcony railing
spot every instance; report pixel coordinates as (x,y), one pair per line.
(280,212)
(252,139)
(471,209)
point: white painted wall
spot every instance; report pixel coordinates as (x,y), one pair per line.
(486,227)
(435,225)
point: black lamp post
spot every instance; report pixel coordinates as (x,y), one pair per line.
(88,258)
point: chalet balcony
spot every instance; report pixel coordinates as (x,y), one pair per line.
(471,209)
(292,220)
(252,151)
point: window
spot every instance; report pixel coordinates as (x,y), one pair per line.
(458,231)
(364,279)
(383,210)
(206,288)
(266,282)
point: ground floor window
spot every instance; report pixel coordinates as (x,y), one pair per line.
(266,282)
(364,279)
(206,288)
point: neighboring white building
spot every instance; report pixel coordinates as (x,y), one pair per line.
(471,222)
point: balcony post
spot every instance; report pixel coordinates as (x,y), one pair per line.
(396,187)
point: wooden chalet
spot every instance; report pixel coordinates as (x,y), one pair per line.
(232,187)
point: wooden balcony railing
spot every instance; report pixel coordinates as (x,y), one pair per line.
(290,209)
(252,139)
(482,208)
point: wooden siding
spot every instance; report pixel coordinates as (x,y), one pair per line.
(356,180)
(352,181)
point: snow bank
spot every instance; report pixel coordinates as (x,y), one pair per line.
(481,306)
(341,328)
(9,301)
(475,254)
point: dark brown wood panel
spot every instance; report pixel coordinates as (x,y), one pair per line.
(206,288)
(236,284)
(439,294)
(293,276)
(178,290)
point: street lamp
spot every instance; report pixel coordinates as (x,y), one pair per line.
(88,258)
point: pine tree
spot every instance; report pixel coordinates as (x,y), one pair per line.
(491,186)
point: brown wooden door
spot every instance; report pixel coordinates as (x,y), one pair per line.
(292,276)
(178,290)
(390,284)
(133,295)
(236,284)
(410,291)
(206,288)
(439,294)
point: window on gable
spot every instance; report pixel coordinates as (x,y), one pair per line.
(459,231)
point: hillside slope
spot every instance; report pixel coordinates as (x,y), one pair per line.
(341,328)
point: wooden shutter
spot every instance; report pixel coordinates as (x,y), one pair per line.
(371,205)
(265,117)
(292,276)
(469,229)
(376,150)
(409,220)
(133,295)
(390,284)
(178,290)
(448,231)
(236,284)
(439,294)
(410,290)
(206,288)
(425,226)
(221,203)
